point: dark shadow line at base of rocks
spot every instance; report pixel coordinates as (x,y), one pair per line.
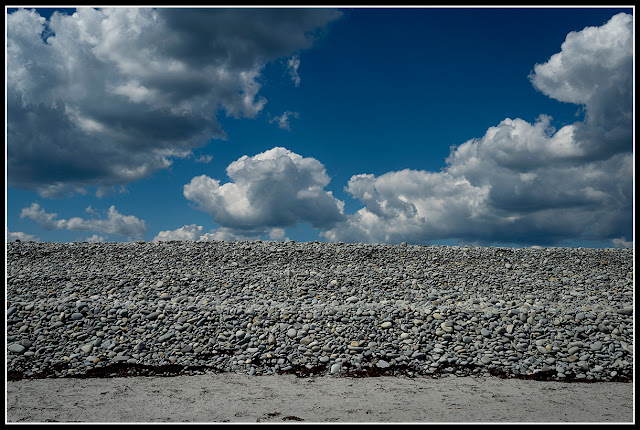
(118,370)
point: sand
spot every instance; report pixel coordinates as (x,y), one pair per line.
(218,398)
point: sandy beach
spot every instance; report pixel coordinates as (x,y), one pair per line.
(234,398)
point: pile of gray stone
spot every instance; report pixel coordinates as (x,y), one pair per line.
(260,307)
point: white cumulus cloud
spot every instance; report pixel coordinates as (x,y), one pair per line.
(95,239)
(116,223)
(187,232)
(595,69)
(414,206)
(194,232)
(273,189)
(18,235)
(523,182)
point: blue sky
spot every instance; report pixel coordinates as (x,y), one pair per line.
(423,125)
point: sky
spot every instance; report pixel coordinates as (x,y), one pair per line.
(479,126)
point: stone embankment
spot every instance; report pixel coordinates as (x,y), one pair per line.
(107,309)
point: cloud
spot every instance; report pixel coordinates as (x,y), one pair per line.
(204,159)
(277,234)
(588,59)
(283,120)
(187,232)
(106,97)
(621,243)
(273,189)
(595,69)
(18,235)
(292,64)
(95,239)
(522,182)
(413,206)
(193,232)
(116,223)
(102,191)
(58,190)
(91,210)
(229,234)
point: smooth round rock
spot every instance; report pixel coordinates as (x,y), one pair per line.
(383,364)
(596,346)
(17,348)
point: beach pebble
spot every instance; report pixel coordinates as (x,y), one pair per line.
(596,346)
(383,364)
(17,348)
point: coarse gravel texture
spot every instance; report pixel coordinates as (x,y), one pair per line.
(86,310)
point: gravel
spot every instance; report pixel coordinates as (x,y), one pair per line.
(260,308)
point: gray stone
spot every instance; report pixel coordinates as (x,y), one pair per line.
(383,364)
(168,335)
(596,346)
(119,358)
(140,346)
(153,315)
(17,348)
(305,340)
(541,349)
